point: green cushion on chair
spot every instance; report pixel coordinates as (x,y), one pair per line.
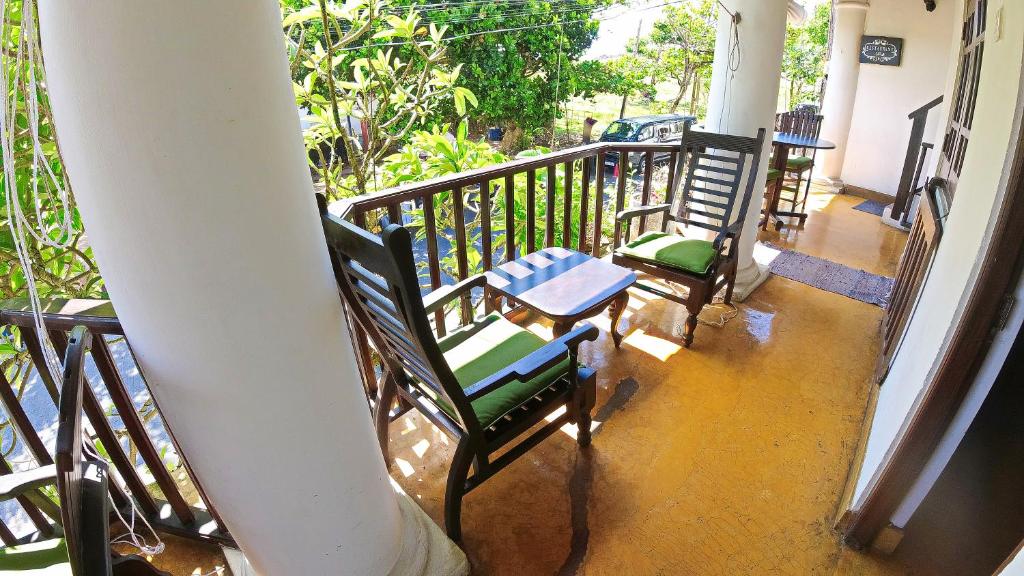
(487,346)
(799,163)
(672,250)
(773,175)
(46,558)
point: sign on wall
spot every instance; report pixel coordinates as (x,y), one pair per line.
(881,50)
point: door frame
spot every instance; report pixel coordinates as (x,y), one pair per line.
(988,305)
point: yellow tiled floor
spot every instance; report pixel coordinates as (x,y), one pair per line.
(727,458)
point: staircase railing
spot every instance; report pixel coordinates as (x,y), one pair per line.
(914,161)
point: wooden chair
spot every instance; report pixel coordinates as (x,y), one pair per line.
(82,490)
(484,384)
(714,167)
(803,121)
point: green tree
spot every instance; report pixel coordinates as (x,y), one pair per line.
(520,57)
(684,38)
(387,69)
(803,58)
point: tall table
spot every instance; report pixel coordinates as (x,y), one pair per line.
(563,285)
(783,143)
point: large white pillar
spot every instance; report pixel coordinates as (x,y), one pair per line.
(744,97)
(841,89)
(181,139)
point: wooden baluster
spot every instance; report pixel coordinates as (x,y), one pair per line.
(395,213)
(581,244)
(673,158)
(28,501)
(485,223)
(22,424)
(510,218)
(94,412)
(433,264)
(136,429)
(359,219)
(567,207)
(595,248)
(31,339)
(6,536)
(531,211)
(460,249)
(620,195)
(549,213)
(645,195)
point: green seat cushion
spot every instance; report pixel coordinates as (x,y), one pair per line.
(49,558)
(799,163)
(773,174)
(672,250)
(483,348)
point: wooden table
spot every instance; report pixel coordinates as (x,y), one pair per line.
(563,285)
(783,143)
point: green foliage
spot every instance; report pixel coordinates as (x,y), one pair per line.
(803,58)
(520,76)
(684,40)
(386,70)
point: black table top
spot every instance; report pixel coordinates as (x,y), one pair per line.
(797,141)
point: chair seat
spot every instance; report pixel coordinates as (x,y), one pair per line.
(773,175)
(46,558)
(671,250)
(799,163)
(487,346)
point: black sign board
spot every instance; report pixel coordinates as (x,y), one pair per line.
(881,50)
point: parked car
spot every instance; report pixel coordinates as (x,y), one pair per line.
(653,128)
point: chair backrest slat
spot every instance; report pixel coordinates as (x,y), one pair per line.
(714,167)
(804,122)
(378,281)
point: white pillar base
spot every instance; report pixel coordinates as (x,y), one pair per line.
(749,279)
(888,220)
(835,185)
(426,549)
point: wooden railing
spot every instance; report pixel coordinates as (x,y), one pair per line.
(124,422)
(462,222)
(913,162)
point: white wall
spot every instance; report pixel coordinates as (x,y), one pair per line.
(880,130)
(966,235)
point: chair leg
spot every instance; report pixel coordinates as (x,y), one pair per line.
(456,489)
(382,415)
(691,323)
(729,287)
(807,190)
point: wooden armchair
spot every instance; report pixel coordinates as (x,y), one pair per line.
(484,384)
(802,122)
(82,490)
(714,167)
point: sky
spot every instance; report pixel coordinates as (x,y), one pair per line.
(620,24)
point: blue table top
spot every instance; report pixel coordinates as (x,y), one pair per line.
(797,141)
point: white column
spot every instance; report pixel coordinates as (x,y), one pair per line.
(181,140)
(745,99)
(841,90)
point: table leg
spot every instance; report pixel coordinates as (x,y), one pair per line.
(615,310)
(561,328)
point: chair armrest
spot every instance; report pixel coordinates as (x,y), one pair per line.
(731,232)
(445,294)
(16,484)
(627,215)
(535,363)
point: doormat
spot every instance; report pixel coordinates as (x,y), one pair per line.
(833,277)
(871,207)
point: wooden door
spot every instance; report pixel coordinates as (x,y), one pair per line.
(965,93)
(927,229)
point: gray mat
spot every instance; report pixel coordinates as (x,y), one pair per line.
(833,277)
(871,207)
